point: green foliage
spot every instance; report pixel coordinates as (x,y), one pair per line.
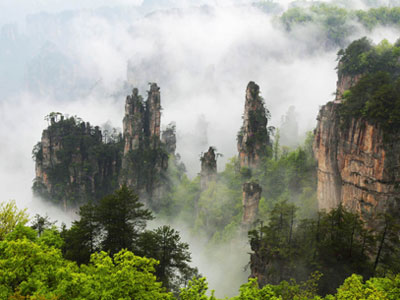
(21,232)
(164,244)
(51,237)
(146,169)
(32,267)
(115,223)
(337,243)
(30,270)
(82,238)
(196,290)
(10,217)
(337,23)
(376,96)
(289,175)
(40,223)
(121,217)
(82,164)
(386,16)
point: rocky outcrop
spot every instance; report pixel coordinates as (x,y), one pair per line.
(145,159)
(168,138)
(153,115)
(253,138)
(356,167)
(73,165)
(133,122)
(208,168)
(344,83)
(251,199)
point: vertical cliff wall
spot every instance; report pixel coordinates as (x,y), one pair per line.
(253,138)
(73,164)
(356,166)
(76,163)
(250,201)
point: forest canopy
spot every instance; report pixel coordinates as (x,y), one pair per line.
(375,96)
(34,267)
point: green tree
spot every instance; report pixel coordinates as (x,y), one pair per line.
(40,223)
(84,236)
(122,218)
(164,244)
(11,216)
(196,290)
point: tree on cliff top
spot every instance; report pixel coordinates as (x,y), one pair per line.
(375,97)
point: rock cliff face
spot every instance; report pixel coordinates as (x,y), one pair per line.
(253,138)
(133,122)
(356,167)
(251,199)
(344,83)
(73,164)
(168,138)
(145,159)
(208,168)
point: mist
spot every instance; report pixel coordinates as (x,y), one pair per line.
(83,58)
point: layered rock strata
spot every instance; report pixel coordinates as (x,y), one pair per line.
(356,166)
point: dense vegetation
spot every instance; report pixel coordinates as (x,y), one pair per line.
(34,266)
(375,96)
(284,175)
(81,164)
(335,244)
(118,222)
(337,23)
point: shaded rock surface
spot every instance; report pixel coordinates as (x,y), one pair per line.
(73,164)
(253,138)
(208,171)
(251,199)
(145,159)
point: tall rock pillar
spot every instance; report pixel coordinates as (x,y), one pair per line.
(145,156)
(253,138)
(153,115)
(208,168)
(133,121)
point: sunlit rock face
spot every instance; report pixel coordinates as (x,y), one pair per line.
(253,138)
(356,166)
(208,171)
